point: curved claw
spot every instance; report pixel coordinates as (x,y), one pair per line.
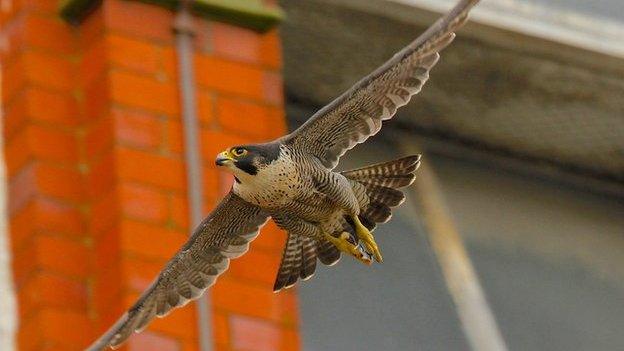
(367,238)
(344,245)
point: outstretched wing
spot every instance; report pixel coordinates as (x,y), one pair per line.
(223,235)
(358,113)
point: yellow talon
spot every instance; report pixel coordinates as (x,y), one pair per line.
(369,240)
(343,244)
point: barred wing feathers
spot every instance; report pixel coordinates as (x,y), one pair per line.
(223,235)
(358,113)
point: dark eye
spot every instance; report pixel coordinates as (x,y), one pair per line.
(239,151)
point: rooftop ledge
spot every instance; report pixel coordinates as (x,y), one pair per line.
(252,14)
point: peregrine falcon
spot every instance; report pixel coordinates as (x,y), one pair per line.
(292,181)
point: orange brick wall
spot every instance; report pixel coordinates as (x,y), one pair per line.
(97,191)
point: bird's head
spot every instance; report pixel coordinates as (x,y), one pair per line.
(247,160)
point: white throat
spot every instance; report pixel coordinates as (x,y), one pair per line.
(273,185)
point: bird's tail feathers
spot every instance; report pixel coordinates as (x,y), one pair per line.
(299,259)
(382,182)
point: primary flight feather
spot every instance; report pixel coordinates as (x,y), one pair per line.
(291,180)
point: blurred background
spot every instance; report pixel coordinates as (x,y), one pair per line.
(523,123)
(521,127)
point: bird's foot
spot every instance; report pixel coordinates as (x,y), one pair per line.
(343,244)
(367,238)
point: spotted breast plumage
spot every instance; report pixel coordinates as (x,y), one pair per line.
(292,181)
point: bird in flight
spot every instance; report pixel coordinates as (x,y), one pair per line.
(292,181)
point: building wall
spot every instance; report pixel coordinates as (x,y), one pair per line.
(549,258)
(96,174)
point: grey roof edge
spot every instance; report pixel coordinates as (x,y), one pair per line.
(585,40)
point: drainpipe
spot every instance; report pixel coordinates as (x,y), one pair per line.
(184,33)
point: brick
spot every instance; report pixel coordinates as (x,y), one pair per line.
(51,107)
(143,92)
(271,238)
(100,177)
(13,78)
(42,6)
(29,336)
(17,153)
(52,325)
(251,300)
(22,188)
(273,88)
(107,293)
(205,107)
(245,118)
(52,144)
(211,183)
(169,63)
(52,254)
(13,38)
(213,143)
(15,116)
(220,328)
(104,213)
(161,171)
(247,267)
(175,137)
(179,211)
(48,33)
(236,43)
(180,323)
(133,54)
(45,179)
(138,273)
(148,340)
(22,225)
(99,138)
(51,290)
(139,20)
(62,183)
(229,77)
(92,28)
(59,217)
(291,341)
(144,203)
(277,116)
(106,250)
(270,50)
(62,255)
(48,70)
(137,128)
(94,63)
(97,98)
(151,241)
(252,334)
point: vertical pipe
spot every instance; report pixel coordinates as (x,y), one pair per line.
(475,315)
(184,32)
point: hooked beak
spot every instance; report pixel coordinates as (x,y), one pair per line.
(224,158)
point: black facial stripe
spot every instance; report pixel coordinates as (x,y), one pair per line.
(247,166)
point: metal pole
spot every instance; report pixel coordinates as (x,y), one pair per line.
(184,31)
(475,315)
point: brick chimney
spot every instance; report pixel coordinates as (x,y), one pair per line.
(96,170)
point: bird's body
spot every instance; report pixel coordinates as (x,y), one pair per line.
(292,181)
(300,193)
